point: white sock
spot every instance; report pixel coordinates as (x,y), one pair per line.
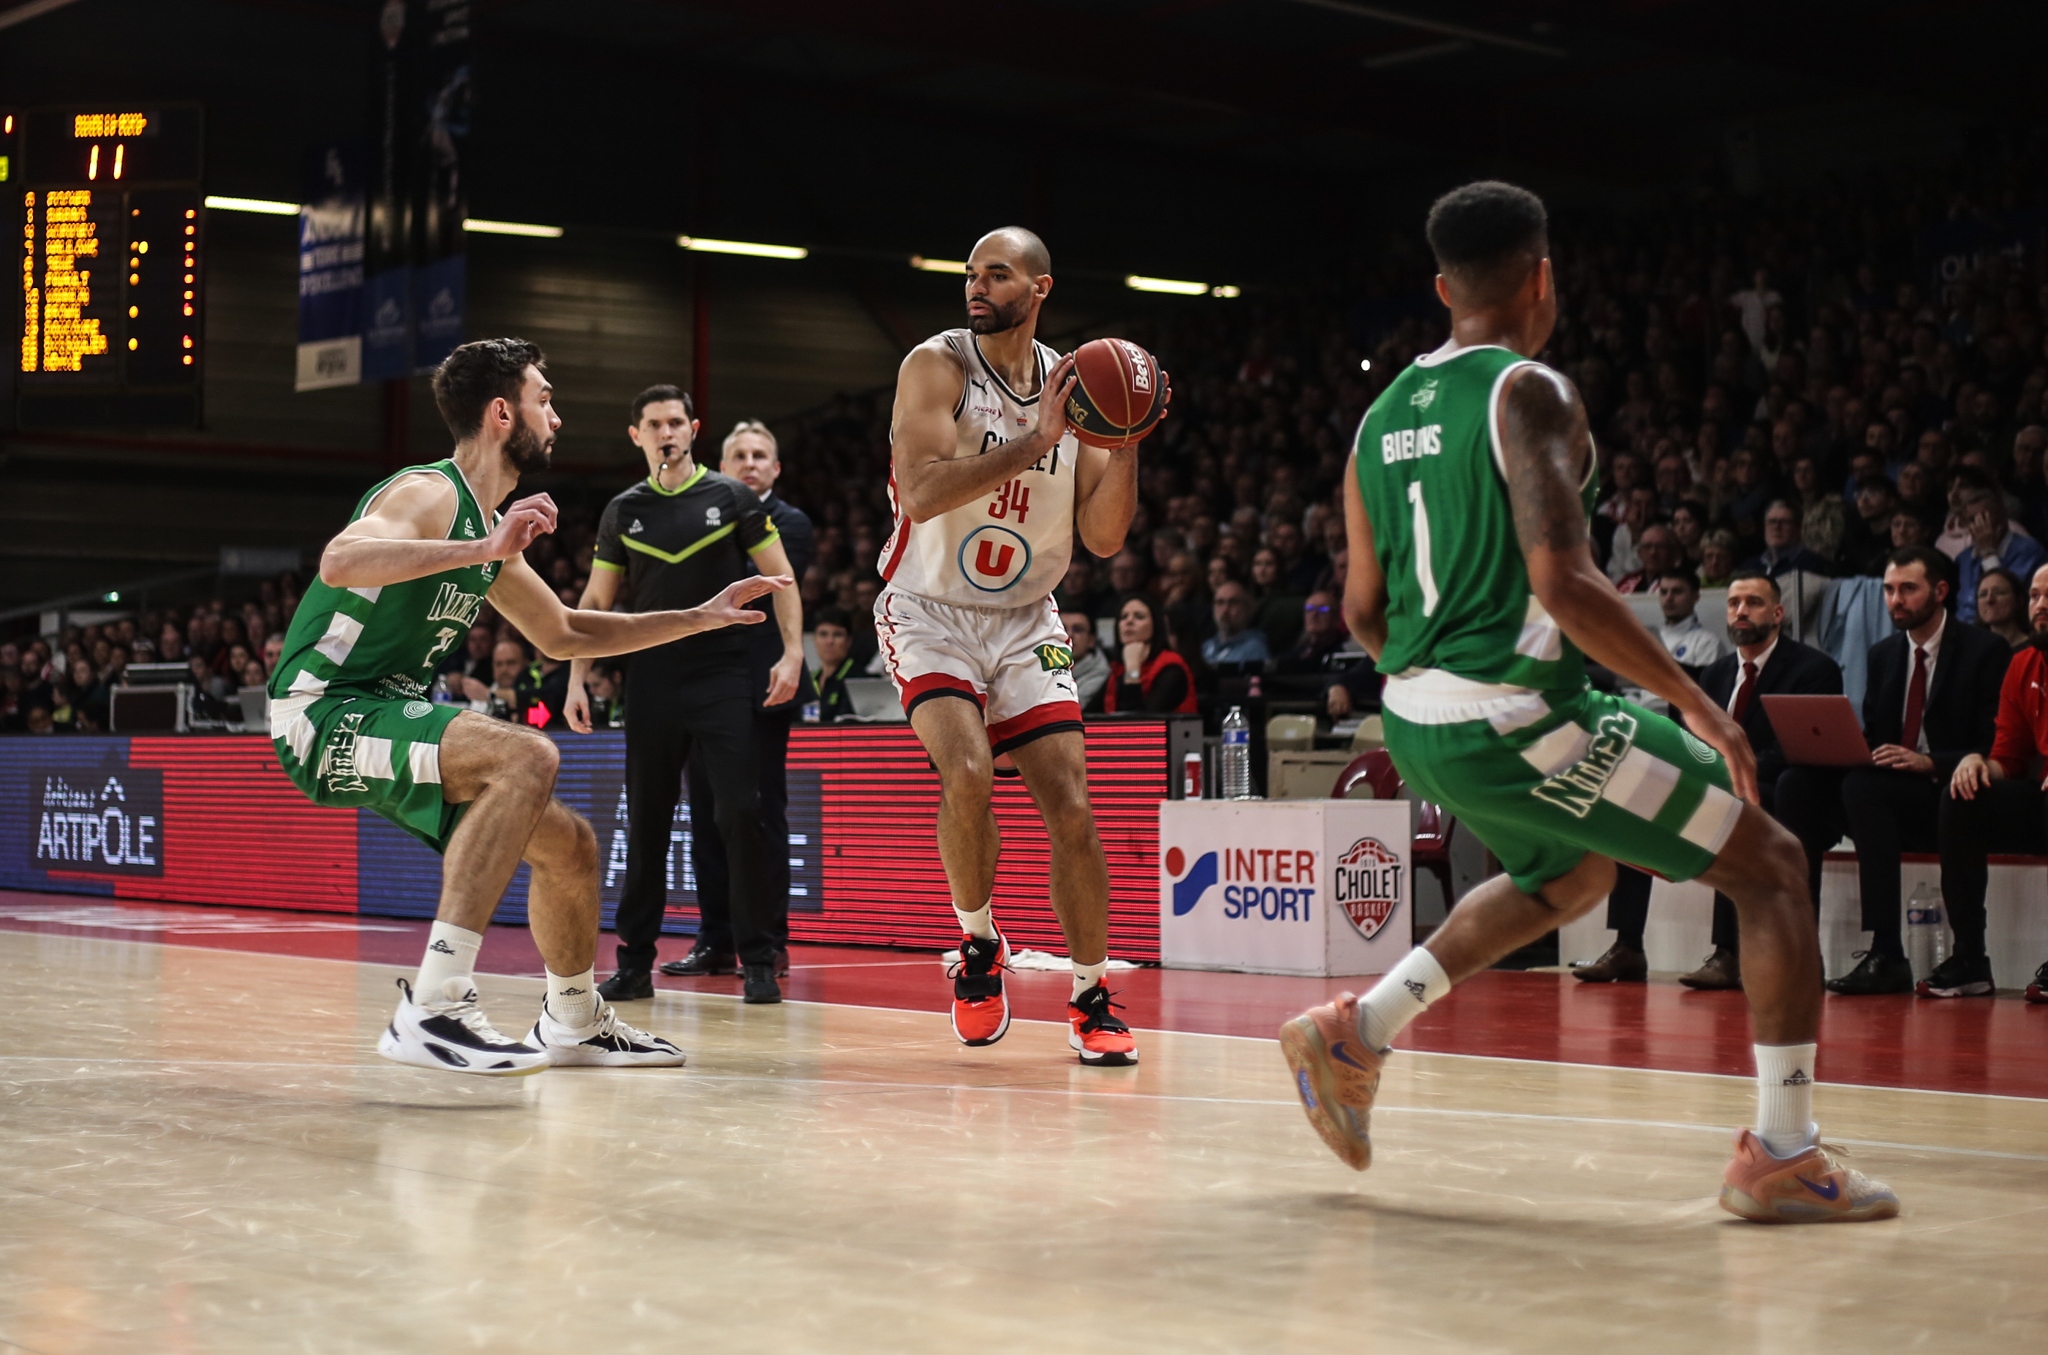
(1404,994)
(451,954)
(1784,1098)
(1086,976)
(573,1000)
(981,923)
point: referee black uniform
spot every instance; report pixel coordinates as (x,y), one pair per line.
(689,700)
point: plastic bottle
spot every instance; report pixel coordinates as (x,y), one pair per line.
(1926,930)
(1236,756)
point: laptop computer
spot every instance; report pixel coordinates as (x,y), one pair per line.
(1818,731)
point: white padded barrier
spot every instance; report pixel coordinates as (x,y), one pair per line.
(1678,934)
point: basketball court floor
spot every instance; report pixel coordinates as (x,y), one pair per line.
(201,1153)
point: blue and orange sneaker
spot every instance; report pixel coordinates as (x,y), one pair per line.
(1097,1033)
(1808,1187)
(981,1010)
(1336,1075)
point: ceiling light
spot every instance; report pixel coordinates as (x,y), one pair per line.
(1141,284)
(920,262)
(1226,290)
(704,246)
(262,205)
(483,227)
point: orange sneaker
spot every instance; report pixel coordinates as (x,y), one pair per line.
(1097,1034)
(981,1010)
(1336,1075)
(1808,1187)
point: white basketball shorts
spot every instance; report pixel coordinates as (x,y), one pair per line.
(1012,662)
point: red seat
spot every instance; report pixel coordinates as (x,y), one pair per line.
(1432,850)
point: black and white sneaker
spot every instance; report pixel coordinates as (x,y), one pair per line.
(449,1031)
(607,1042)
(1958,976)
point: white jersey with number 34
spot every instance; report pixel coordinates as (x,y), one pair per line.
(1010,547)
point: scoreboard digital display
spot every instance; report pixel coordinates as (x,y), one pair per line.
(111,264)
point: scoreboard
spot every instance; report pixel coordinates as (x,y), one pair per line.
(111,263)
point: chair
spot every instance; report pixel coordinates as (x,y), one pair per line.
(1373,776)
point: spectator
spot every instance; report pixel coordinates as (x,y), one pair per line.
(1091,670)
(472,660)
(1765,662)
(1868,541)
(1150,676)
(514,684)
(1658,552)
(833,639)
(1683,633)
(1993,544)
(1717,559)
(1233,643)
(1995,803)
(1277,614)
(1322,634)
(1908,530)
(607,691)
(1998,606)
(1931,702)
(1783,551)
(273,650)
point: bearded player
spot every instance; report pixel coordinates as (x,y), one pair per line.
(398,588)
(990,488)
(1472,584)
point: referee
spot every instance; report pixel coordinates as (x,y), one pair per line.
(675,540)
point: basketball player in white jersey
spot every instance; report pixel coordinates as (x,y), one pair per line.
(990,488)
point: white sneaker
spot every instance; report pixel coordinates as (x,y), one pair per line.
(607,1042)
(451,1032)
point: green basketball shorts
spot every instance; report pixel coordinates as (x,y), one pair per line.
(1549,777)
(369,752)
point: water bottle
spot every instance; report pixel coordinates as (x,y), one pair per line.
(1926,932)
(1237,756)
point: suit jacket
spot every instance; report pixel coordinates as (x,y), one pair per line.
(1961,715)
(800,543)
(1792,670)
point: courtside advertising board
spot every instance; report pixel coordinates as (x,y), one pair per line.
(1317,887)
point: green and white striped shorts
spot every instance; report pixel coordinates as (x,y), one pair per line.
(369,752)
(1547,777)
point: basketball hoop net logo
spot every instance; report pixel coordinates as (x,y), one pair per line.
(1366,884)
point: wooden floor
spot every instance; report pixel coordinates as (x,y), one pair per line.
(202,1154)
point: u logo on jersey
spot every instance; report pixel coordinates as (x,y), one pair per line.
(993,558)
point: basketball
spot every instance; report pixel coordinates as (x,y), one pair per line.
(1119,396)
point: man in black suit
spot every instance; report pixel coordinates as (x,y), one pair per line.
(1766,662)
(752,457)
(1932,701)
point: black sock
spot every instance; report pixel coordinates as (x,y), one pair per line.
(1630,940)
(1887,944)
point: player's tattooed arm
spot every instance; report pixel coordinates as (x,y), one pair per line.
(930,479)
(1546,449)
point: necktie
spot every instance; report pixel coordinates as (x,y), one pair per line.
(1747,694)
(1916,701)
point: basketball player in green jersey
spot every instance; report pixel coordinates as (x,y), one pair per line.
(1472,583)
(354,728)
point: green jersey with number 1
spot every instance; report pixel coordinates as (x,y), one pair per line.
(1432,474)
(384,642)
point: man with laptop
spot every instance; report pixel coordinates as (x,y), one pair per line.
(1763,662)
(1766,662)
(1932,701)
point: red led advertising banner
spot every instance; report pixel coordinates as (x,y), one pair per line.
(213,820)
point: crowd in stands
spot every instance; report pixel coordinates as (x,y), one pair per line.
(1782,383)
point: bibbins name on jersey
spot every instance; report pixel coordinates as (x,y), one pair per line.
(1406,444)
